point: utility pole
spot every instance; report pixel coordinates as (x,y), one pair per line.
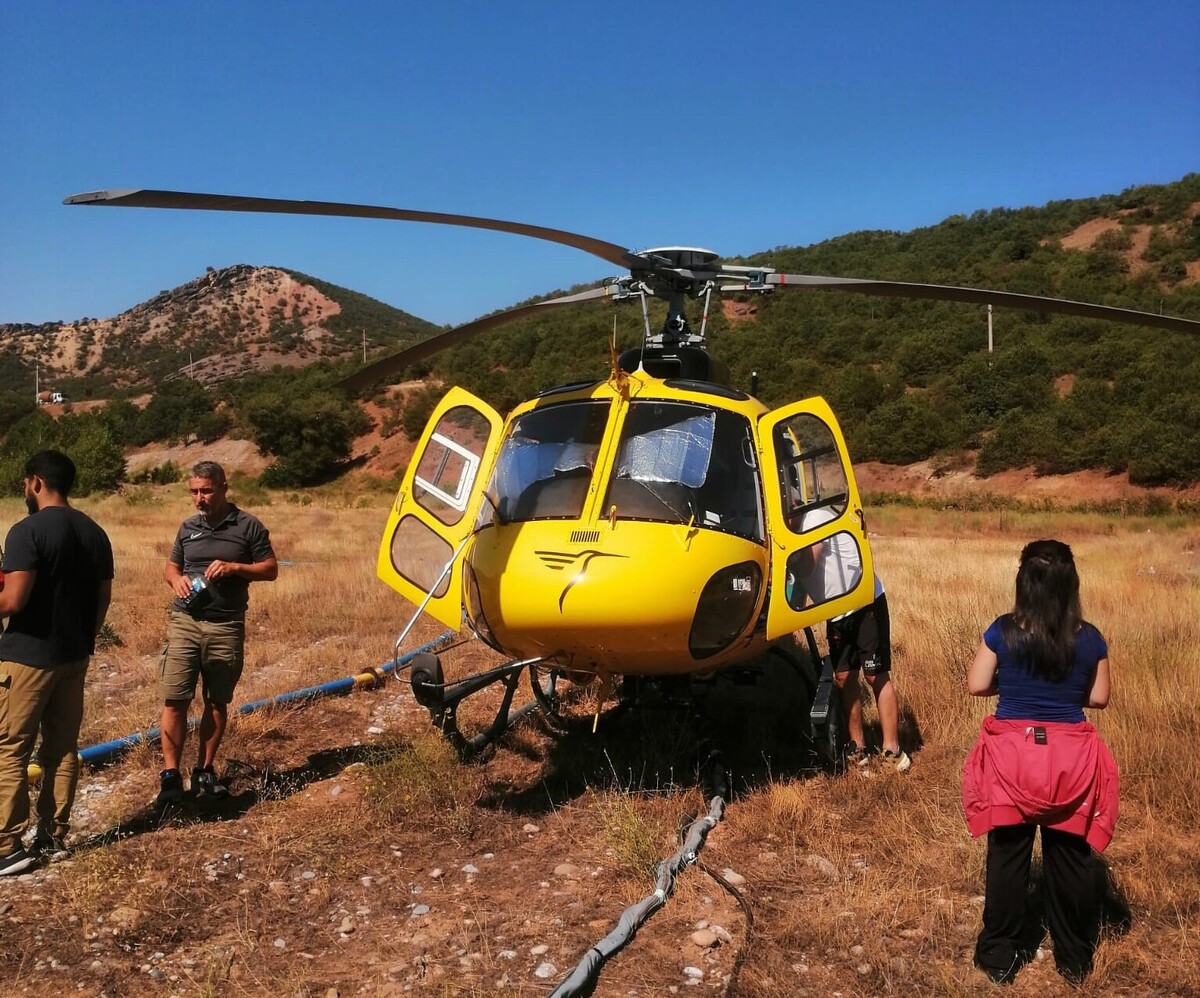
(989,336)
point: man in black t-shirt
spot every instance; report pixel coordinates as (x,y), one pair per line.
(58,570)
(216,555)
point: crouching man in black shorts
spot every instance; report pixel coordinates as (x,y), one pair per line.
(216,555)
(862,641)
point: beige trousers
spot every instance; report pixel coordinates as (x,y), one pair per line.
(49,701)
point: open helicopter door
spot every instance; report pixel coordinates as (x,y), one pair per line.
(435,510)
(820,559)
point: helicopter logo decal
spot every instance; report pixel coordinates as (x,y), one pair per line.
(558,561)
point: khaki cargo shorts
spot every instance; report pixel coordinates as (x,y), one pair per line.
(209,650)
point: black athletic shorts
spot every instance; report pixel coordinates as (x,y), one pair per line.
(862,640)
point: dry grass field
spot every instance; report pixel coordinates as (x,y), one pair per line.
(359,856)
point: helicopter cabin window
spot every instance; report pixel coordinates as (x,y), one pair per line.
(825,570)
(544,467)
(686,463)
(420,556)
(447,468)
(812,477)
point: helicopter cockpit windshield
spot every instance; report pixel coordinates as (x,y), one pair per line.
(687,463)
(544,467)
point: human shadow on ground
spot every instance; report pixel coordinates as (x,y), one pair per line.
(265,783)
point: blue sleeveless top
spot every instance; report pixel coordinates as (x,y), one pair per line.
(1026,697)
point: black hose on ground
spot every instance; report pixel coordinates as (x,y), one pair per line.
(583,979)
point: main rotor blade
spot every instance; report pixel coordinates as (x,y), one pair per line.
(974,296)
(224,202)
(382,368)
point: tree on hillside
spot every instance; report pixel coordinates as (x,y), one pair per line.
(309,435)
(178,410)
(83,437)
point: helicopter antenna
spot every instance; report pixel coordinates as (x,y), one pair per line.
(704,319)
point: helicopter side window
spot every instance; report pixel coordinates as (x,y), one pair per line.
(447,468)
(825,570)
(812,476)
(544,467)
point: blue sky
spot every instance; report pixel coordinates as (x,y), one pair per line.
(734,127)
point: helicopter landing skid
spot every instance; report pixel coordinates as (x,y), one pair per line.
(442,698)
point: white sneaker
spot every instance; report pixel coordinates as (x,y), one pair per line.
(17,861)
(899,760)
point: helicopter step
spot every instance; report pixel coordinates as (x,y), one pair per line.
(442,698)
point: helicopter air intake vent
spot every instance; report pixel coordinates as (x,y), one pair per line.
(585,536)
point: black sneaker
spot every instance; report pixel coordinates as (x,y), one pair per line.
(855,757)
(206,784)
(49,847)
(17,861)
(170,788)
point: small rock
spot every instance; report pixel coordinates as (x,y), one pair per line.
(374,730)
(157,975)
(864,969)
(733,877)
(704,938)
(912,933)
(529,828)
(336,789)
(507,954)
(702,924)
(280,943)
(347,925)
(366,881)
(419,910)
(722,933)
(856,951)
(545,971)
(568,871)
(821,865)
(539,950)
(694,973)
(5,907)
(436,873)
(470,869)
(1040,955)
(308,875)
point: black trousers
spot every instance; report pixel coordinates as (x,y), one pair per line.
(1074,898)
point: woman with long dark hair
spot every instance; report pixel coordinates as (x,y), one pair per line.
(1039,763)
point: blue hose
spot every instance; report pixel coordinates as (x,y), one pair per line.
(98,755)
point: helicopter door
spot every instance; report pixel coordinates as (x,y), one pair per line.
(438,503)
(820,559)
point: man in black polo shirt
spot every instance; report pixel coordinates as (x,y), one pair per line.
(57,584)
(216,555)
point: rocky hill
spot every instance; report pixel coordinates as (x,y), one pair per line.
(225,323)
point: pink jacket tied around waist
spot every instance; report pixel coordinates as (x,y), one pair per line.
(1065,779)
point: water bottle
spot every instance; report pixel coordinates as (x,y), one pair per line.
(200,596)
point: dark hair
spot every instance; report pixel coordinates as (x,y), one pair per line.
(210,471)
(54,468)
(1042,629)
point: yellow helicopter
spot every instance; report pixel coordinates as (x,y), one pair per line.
(655,523)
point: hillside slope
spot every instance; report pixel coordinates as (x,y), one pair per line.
(223,324)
